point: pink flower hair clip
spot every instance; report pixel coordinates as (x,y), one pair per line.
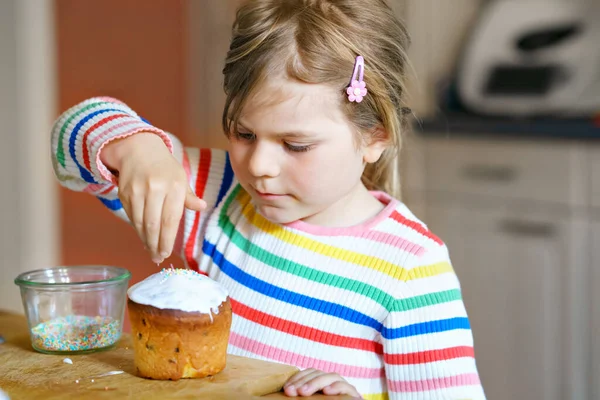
(358,88)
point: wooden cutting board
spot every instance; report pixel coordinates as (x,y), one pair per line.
(27,374)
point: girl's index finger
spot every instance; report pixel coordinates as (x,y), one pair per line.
(171,216)
(193,202)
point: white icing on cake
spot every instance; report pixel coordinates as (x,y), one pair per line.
(179,289)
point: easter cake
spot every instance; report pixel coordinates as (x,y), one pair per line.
(180,322)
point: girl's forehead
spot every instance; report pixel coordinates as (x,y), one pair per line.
(294,100)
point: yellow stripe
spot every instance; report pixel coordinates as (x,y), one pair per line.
(428,271)
(374,263)
(378,396)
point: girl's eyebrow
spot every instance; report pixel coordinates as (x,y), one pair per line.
(295,134)
(292,134)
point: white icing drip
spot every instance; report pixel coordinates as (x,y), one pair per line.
(179,289)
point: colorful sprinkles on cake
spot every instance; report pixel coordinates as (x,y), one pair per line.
(76,333)
(166,273)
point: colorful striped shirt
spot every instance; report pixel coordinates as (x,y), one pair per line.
(377,303)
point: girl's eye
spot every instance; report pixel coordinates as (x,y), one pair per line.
(247,136)
(297,149)
(251,137)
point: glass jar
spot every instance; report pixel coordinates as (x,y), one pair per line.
(74,309)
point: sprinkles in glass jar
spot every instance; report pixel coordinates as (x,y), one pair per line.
(76,333)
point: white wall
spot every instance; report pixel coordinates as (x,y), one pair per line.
(29,228)
(438,29)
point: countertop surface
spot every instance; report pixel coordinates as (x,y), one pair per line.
(27,374)
(460,123)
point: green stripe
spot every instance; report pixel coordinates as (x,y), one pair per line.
(314,275)
(60,153)
(426,300)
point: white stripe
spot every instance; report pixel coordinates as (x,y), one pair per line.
(432,284)
(363,385)
(458,393)
(314,260)
(189,216)
(306,347)
(432,370)
(430,341)
(85,127)
(435,312)
(297,314)
(296,284)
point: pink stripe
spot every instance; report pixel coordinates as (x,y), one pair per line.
(111,100)
(133,120)
(101,167)
(104,172)
(98,189)
(356,230)
(287,357)
(128,121)
(395,241)
(94,187)
(364,231)
(433,384)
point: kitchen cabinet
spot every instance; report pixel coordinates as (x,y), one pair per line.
(515,217)
(544,172)
(518,272)
(594,178)
(595,307)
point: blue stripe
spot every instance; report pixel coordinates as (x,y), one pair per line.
(113,205)
(424,328)
(227,180)
(326,307)
(84,173)
(285,295)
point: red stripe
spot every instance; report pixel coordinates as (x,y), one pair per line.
(86,154)
(201,179)
(108,189)
(304,331)
(416,227)
(430,356)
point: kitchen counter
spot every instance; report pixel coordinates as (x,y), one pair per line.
(27,374)
(460,123)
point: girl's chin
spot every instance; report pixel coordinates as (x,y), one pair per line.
(278,215)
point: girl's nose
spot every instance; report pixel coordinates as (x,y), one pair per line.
(263,161)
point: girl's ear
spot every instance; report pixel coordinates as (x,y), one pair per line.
(375,144)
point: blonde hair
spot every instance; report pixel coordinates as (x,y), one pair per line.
(317,41)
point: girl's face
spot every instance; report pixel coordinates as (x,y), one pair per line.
(297,156)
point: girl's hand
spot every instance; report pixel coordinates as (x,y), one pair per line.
(310,381)
(153,188)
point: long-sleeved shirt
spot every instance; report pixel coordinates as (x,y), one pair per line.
(377,303)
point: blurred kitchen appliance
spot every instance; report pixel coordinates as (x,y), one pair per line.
(533,58)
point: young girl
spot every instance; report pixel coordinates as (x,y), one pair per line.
(325,271)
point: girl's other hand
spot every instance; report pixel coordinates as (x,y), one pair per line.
(310,381)
(153,188)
